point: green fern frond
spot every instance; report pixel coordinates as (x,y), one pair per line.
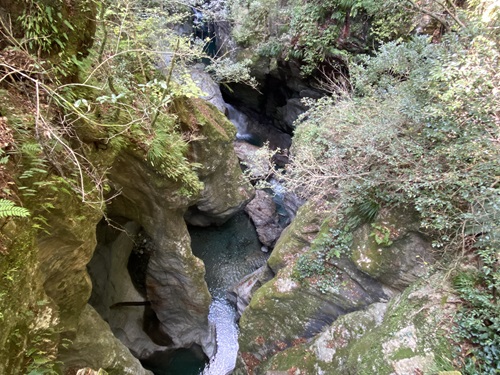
(7,208)
(31,149)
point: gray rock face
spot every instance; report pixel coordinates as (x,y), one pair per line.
(392,250)
(208,86)
(173,273)
(253,160)
(95,346)
(242,293)
(112,285)
(175,277)
(291,111)
(225,44)
(262,211)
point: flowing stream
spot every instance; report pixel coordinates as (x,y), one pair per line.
(229,252)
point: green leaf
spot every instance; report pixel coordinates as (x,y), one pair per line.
(70,26)
(7,208)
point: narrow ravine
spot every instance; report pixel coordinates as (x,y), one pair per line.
(230,252)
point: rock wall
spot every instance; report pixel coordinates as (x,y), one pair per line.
(405,336)
(289,310)
(45,285)
(175,278)
(113,286)
(43,277)
(95,346)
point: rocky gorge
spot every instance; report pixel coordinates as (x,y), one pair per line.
(210,252)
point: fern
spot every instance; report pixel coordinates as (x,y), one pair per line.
(7,208)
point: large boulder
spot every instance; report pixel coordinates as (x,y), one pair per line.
(310,290)
(226,189)
(262,211)
(392,250)
(406,336)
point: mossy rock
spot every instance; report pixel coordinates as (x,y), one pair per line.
(392,250)
(288,310)
(94,346)
(410,335)
(27,315)
(299,235)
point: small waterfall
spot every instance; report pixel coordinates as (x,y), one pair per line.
(243,126)
(223,316)
(239,120)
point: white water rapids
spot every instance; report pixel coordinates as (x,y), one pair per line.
(229,252)
(223,316)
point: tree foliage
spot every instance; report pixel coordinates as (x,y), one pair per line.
(422,129)
(314,31)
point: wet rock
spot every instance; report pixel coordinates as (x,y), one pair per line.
(242,293)
(262,211)
(292,203)
(255,130)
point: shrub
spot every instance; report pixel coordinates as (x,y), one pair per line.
(421,129)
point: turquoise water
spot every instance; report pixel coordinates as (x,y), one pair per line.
(230,252)
(181,362)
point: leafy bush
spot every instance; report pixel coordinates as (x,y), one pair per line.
(421,129)
(312,31)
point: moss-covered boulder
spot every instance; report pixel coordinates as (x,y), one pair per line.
(323,271)
(226,190)
(288,310)
(405,337)
(298,236)
(392,250)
